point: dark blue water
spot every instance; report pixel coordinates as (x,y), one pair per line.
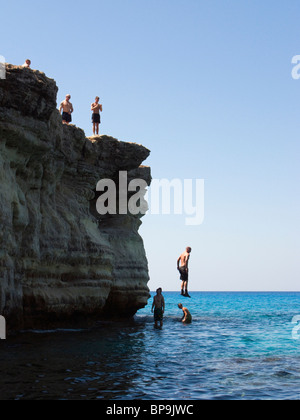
(240,346)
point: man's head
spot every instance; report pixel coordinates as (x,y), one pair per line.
(97,99)
(180,305)
(159,291)
(28,62)
(68,97)
(188,249)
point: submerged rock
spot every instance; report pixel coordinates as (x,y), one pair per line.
(60,262)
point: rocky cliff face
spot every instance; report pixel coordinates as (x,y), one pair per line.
(60,262)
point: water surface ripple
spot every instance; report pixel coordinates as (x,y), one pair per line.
(239,346)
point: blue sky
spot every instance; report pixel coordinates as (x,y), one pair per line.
(207,87)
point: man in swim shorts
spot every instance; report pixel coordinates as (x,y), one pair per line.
(183,268)
(158,307)
(67,109)
(96,119)
(187,317)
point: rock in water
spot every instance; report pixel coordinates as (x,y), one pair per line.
(61,263)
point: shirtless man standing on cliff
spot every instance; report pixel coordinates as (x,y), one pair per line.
(183,268)
(96,119)
(158,307)
(67,108)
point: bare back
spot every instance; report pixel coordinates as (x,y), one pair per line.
(184,259)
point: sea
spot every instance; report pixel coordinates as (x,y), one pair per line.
(240,346)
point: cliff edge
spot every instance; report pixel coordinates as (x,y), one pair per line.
(61,263)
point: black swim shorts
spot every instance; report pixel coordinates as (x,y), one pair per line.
(66,117)
(96,118)
(158,315)
(184,275)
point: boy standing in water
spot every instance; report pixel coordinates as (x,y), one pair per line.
(158,307)
(183,268)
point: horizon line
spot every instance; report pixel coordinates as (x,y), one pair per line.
(232,291)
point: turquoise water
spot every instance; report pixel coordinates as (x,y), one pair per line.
(240,346)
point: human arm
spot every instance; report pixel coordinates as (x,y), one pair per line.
(163,305)
(185,315)
(178,262)
(187,258)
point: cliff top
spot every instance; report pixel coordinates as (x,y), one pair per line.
(28,111)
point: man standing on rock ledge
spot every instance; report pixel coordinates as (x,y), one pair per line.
(67,108)
(96,119)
